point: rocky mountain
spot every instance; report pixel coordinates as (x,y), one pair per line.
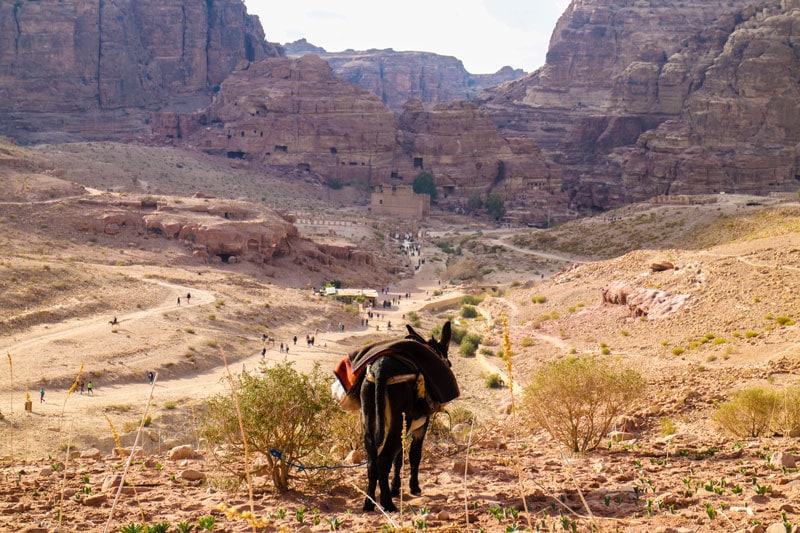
(639,99)
(75,69)
(295,114)
(397,77)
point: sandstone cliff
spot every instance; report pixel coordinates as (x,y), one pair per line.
(94,70)
(294,114)
(397,77)
(639,99)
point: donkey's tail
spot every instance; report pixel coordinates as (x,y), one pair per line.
(380,412)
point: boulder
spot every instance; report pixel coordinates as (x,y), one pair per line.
(184,451)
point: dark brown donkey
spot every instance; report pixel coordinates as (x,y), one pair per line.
(404,383)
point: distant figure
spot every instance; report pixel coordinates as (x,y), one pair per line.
(179,300)
(150,377)
(41,396)
(82,385)
(264,337)
(295,341)
(89,388)
(113,321)
(263,352)
(281,347)
(188,297)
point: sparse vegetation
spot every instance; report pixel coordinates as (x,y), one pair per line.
(267,425)
(577,399)
(749,413)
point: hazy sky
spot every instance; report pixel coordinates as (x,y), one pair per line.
(484,34)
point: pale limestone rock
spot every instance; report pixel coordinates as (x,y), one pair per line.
(191,475)
(181,452)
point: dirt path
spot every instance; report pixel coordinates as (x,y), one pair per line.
(81,413)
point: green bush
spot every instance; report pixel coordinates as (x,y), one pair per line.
(413,319)
(468,311)
(456,334)
(577,399)
(474,338)
(539,299)
(281,409)
(787,417)
(749,413)
(468,347)
(469,299)
(494,381)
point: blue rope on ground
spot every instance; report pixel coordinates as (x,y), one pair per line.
(279,456)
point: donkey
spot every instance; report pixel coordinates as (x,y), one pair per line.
(394,402)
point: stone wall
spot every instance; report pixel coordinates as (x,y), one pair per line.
(400,201)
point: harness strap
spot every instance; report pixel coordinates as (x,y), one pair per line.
(402,378)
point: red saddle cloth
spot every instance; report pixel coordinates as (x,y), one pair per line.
(440,382)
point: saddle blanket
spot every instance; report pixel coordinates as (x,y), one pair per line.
(440,382)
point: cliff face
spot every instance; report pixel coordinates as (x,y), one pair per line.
(645,98)
(397,77)
(88,69)
(293,113)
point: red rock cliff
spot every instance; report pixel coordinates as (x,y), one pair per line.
(87,69)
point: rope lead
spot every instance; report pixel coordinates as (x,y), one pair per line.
(277,454)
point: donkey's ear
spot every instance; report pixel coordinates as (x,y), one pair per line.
(444,340)
(414,335)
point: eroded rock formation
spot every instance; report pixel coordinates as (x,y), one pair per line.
(397,77)
(219,231)
(77,69)
(639,99)
(294,113)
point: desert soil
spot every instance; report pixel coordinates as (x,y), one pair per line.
(736,266)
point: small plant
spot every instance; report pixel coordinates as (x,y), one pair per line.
(710,511)
(467,348)
(667,426)
(185,527)
(784,321)
(468,311)
(334,523)
(158,528)
(539,299)
(494,381)
(300,514)
(678,350)
(761,490)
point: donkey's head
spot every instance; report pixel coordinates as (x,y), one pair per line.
(440,346)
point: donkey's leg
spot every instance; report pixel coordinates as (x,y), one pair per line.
(398,466)
(385,462)
(372,481)
(414,458)
(368,422)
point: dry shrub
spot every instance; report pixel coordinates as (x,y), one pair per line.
(577,399)
(465,269)
(282,409)
(759,411)
(788,416)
